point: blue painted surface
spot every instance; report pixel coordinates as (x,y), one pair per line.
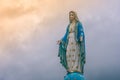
(74,76)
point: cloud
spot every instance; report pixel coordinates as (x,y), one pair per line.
(29,31)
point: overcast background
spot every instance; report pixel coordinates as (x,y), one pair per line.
(29,30)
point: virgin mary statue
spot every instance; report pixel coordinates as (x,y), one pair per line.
(72,46)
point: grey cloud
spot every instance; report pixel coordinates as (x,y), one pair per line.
(36,58)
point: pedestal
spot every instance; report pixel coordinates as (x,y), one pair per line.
(74,76)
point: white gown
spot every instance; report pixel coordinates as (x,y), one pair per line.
(73,52)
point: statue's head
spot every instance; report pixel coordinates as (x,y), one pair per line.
(73,16)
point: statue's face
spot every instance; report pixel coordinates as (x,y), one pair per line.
(71,16)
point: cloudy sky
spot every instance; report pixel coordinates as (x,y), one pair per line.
(29,30)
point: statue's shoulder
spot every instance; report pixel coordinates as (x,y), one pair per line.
(79,23)
(68,26)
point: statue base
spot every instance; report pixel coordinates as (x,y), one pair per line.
(74,76)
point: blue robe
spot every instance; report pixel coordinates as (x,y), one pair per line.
(64,42)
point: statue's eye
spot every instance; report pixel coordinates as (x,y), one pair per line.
(71,15)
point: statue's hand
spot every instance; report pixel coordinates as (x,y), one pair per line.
(81,38)
(58,42)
